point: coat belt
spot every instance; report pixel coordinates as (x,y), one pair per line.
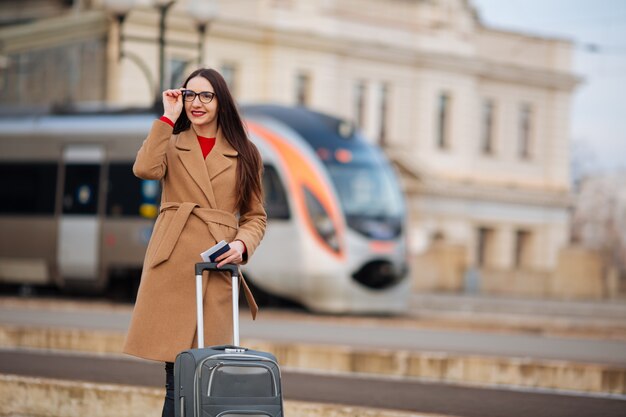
(213,218)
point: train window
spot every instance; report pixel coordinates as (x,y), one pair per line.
(27,188)
(80,193)
(275,197)
(124,193)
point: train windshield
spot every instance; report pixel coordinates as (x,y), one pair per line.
(370,197)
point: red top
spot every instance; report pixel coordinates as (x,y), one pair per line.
(206,144)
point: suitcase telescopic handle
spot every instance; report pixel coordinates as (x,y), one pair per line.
(234,271)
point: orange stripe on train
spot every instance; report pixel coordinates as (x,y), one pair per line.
(302,172)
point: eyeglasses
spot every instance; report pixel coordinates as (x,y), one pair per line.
(205,96)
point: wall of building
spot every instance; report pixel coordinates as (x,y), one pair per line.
(410,52)
(419,51)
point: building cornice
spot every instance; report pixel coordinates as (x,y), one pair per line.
(386,53)
(417,183)
(501,194)
(262,33)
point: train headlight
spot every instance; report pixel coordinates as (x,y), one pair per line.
(323,224)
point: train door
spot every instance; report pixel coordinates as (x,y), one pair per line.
(79,229)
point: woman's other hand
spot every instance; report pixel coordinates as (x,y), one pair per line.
(172,104)
(233,256)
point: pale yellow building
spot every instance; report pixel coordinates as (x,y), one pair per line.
(476,119)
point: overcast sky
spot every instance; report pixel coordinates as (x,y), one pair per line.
(598,128)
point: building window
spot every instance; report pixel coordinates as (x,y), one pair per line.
(177,73)
(525,125)
(359,104)
(229,72)
(443,121)
(522,249)
(5,62)
(303,87)
(484,246)
(487,127)
(383,108)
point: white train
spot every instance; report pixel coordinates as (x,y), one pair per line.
(73,215)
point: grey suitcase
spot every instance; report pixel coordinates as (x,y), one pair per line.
(226,381)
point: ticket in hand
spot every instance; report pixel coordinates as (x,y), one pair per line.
(211,254)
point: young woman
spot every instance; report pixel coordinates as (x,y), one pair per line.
(210,175)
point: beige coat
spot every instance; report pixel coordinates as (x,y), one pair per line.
(197,210)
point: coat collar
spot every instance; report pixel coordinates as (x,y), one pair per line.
(203,171)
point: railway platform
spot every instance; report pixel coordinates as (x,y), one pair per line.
(339,365)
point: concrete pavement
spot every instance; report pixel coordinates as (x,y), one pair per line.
(339,391)
(378,346)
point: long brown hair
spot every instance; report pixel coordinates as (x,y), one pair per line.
(249,166)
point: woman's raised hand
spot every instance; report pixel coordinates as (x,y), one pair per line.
(172,104)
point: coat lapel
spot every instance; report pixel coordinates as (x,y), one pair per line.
(221,157)
(191,156)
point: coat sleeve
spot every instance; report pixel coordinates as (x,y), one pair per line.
(252,225)
(151,162)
